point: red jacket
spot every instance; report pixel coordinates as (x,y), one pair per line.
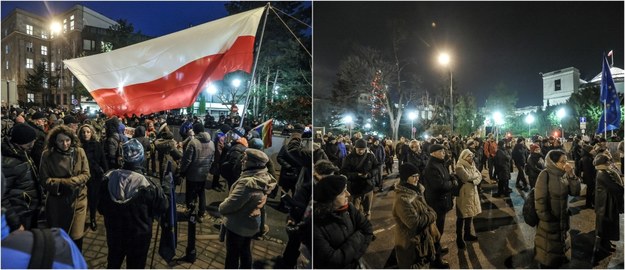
(490,149)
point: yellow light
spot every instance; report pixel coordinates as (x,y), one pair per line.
(443,59)
(55,28)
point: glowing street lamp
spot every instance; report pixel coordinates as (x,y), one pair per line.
(445,60)
(561,113)
(498,118)
(412,116)
(211,90)
(236,83)
(529,119)
(347,120)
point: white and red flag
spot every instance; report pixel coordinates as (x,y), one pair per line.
(168,72)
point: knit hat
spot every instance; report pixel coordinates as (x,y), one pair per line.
(197,128)
(329,187)
(225,128)
(325,167)
(133,151)
(69,120)
(239,131)
(601,159)
(255,159)
(22,134)
(436,147)
(361,143)
(406,170)
(533,147)
(37,115)
(256,143)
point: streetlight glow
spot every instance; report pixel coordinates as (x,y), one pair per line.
(55,28)
(529,119)
(412,115)
(498,117)
(347,119)
(211,89)
(561,113)
(236,82)
(444,59)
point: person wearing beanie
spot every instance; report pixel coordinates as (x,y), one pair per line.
(535,164)
(468,202)
(243,210)
(519,156)
(415,155)
(438,184)
(71,122)
(608,203)
(38,123)
(502,164)
(324,168)
(361,168)
(378,152)
(64,172)
(21,179)
(554,186)
(585,168)
(94,150)
(130,201)
(195,166)
(338,227)
(415,219)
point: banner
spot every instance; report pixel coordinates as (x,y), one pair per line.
(266,132)
(611,117)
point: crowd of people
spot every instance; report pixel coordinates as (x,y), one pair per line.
(442,173)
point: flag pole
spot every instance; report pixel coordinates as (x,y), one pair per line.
(605,119)
(260,43)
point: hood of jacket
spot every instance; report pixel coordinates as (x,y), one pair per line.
(164,144)
(551,167)
(124,185)
(9,149)
(406,192)
(259,179)
(203,137)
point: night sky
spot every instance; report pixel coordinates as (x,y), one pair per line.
(152,18)
(490,42)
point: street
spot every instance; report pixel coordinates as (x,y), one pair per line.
(504,240)
(210,252)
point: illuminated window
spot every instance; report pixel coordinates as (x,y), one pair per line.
(30,97)
(44,50)
(29,63)
(558,85)
(71,22)
(29,46)
(44,34)
(52,67)
(6,49)
(29,29)
(45,64)
(64,25)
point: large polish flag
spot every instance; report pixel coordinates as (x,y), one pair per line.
(170,71)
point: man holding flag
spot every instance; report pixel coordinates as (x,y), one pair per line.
(611,117)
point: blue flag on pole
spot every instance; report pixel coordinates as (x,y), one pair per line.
(611,117)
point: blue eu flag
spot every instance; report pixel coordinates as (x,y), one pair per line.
(611,117)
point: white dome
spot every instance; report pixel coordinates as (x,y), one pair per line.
(616,73)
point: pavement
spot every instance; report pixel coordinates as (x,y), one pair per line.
(504,240)
(211,253)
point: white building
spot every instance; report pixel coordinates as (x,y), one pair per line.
(559,85)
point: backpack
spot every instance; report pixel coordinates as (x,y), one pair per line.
(43,250)
(231,166)
(529,207)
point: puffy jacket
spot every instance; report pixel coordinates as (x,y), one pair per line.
(490,149)
(608,203)
(167,150)
(519,154)
(438,185)
(22,193)
(303,156)
(198,158)
(130,201)
(468,201)
(535,164)
(231,162)
(244,196)
(378,152)
(112,150)
(340,238)
(414,235)
(40,142)
(418,159)
(97,162)
(502,164)
(356,184)
(552,206)
(289,170)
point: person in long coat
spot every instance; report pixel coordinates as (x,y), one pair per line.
(468,201)
(555,183)
(416,237)
(503,161)
(608,203)
(535,164)
(585,168)
(64,172)
(94,150)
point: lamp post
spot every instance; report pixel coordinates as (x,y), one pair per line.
(529,119)
(412,116)
(498,119)
(561,113)
(445,60)
(347,120)
(55,30)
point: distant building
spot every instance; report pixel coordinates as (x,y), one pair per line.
(28,39)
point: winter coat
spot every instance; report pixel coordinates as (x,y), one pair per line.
(113,150)
(167,150)
(378,152)
(535,165)
(198,158)
(608,203)
(519,154)
(416,230)
(502,164)
(468,201)
(40,142)
(289,170)
(358,185)
(586,169)
(332,150)
(22,193)
(97,162)
(230,167)
(244,196)
(490,149)
(552,191)
(389,153)
(72,169)
(130,202)
(419,160)
(302,157)
(340,238)
(438,185)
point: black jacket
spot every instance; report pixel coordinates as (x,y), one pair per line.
(502,164)
(289,170)
(302,157)
(40,143)
(97,162)
(438,185)
(340,239)
(356,184)
(417,159)
(535,164)
(519,154)
(130,202)
(586,170)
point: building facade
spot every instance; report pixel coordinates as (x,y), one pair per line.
(559,85)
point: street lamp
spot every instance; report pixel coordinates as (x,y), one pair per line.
(445,60)
(561,113)
(529,119)
(412,116)
(347,120)
(498,119)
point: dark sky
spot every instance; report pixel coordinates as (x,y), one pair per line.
(152,18)
(490,42)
